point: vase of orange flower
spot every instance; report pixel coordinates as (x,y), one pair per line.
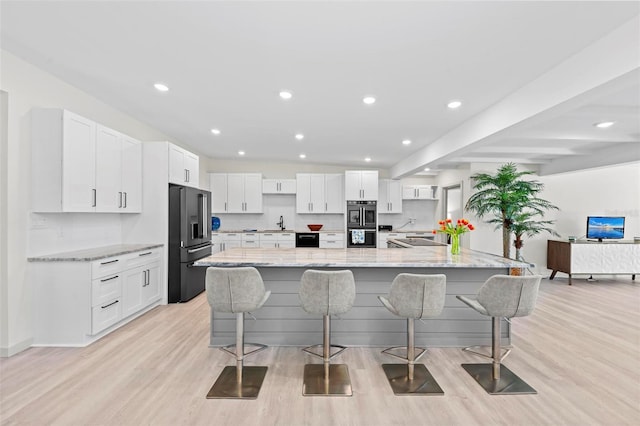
(447,227)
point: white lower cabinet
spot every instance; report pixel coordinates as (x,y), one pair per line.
(332,240)
(77,302)
(222,241)
(277,240)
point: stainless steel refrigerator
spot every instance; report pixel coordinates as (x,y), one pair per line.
(189,241)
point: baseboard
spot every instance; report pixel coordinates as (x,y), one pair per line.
(17,348)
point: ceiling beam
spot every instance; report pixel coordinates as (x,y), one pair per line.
(602,158)
(502,160)
(608,65)
(533,150)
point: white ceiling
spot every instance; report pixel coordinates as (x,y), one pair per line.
(533,76)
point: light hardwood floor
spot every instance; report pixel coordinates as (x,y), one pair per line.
(580,350)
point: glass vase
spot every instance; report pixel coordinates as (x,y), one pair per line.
(455,244)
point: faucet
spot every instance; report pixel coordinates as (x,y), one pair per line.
(281,223)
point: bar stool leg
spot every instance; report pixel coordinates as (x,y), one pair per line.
(238,382)
(495,378)
(411,378)
(326,379)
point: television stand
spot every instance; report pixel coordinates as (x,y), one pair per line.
(592,258)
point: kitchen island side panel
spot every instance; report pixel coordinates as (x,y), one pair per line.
(283,322)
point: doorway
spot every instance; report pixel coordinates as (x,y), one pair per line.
(452,203)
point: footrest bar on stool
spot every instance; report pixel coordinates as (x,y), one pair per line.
(473,351)
(417,357)
(259,346)
(320,355)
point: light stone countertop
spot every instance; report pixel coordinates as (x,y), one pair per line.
(417,257)
(272,231)
(88,255)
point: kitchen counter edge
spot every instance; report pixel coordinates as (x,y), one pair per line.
(88,255)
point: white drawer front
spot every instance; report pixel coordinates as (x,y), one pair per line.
(142,257)
(105,289)
(107,266)
(332,244)
(105,315)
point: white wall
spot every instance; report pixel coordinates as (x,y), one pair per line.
(613,191)
(29,87)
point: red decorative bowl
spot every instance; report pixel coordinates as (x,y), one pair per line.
(315,227)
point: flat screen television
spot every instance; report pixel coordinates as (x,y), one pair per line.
(605,227)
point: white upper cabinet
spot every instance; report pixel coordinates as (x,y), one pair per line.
(419,192)
(361,185)
(279,186)
(118,172)
(236,192)
(81,166)
(390,196)
(319,193)
(334,193)
(184,167)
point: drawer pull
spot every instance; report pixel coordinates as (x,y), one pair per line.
(145,254)
(111,261)
(110,304)
(109,279)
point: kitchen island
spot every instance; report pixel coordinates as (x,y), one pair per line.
(281,321)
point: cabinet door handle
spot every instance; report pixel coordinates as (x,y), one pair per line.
(125,200)
(225,206)
(110,304)
(111,261)
(93,197)
(119,200)
(109,279)
(325,207)
(145,254)
(144,278)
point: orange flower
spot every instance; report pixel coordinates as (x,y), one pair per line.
(471,228)
(465,221)
(448,220)
(434,232)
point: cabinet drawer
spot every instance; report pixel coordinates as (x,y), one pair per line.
(105,289)
(107,266)
(331,236)
(268,236)
(142,257)
(105,315)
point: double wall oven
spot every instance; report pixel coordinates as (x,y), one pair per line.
(361,224)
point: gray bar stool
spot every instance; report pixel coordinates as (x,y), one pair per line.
(237,290)
(327,293)
(502,296)
(413,296)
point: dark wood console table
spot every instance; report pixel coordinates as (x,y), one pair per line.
(593,258)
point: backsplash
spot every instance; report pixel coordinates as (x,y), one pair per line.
(274,206)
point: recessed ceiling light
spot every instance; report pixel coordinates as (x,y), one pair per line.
(303,156)
(406,142)
(426,169)
(215,131)
(454,104)
(240,152)
(369,100)
(604,124)
(299,136)
(285,94)
(367,159)
(161,87)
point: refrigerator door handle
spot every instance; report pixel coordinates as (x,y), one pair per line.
(208,246)
(205,228)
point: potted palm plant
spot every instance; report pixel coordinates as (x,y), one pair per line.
(504,196)
(526,224)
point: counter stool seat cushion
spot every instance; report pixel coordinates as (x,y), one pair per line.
(327,292)
(416,295)
(234,290)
